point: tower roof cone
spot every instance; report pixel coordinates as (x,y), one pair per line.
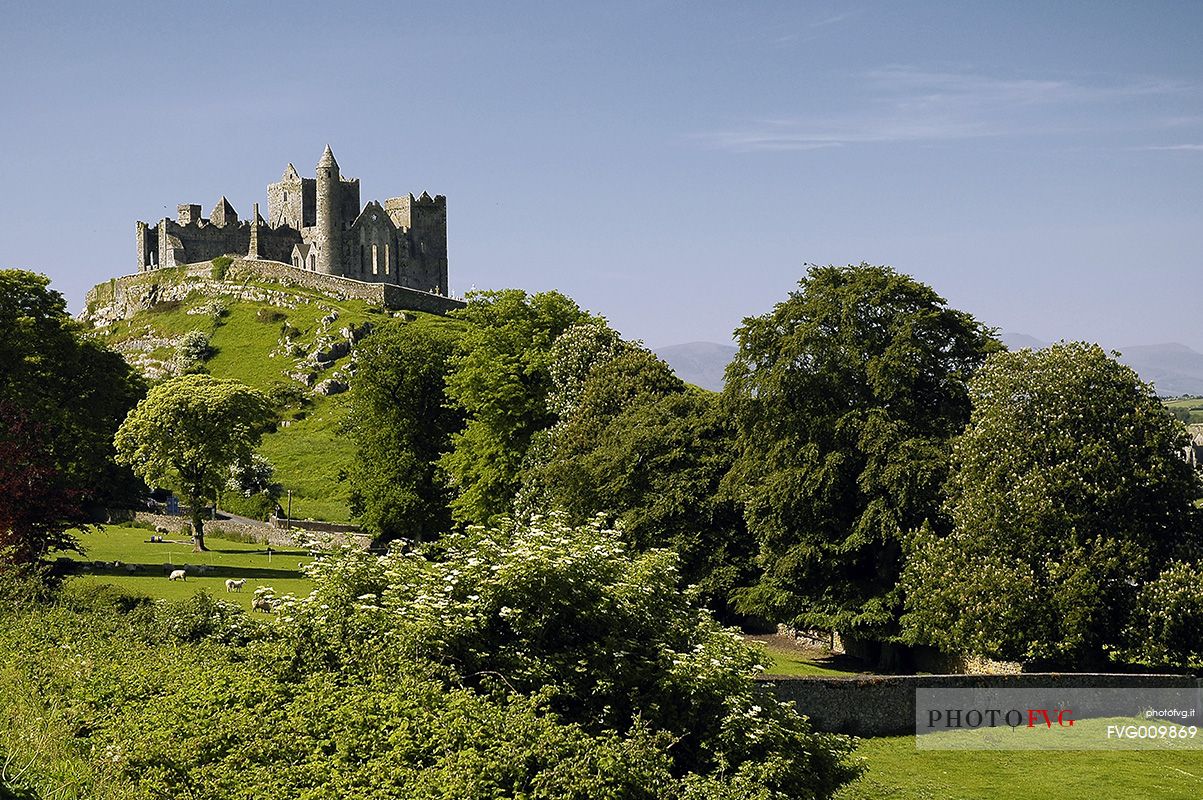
(328,158)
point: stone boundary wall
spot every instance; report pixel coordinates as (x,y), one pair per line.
(884,705)
(176,523)
(352,533)
(385,295)
(258,532)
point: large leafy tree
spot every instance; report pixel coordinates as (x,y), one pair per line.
(637,447)
(402,423)
(500,381)
(62,396)
(845,398)
(188,432)
(1068,494)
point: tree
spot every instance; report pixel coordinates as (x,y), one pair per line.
(1068,493)
(402,423)
(1166,626)
(187,434)
(62,396)
(844,399)
(633,445)
(656,470)
(500,381)
(36,505)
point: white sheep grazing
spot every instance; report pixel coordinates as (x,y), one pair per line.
(178,575)
(235,586)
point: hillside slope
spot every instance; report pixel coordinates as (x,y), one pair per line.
(296,344)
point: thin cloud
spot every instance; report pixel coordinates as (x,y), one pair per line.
(835,19)
(1192,147)
(904,104)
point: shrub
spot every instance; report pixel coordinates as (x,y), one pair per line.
(1167,626)
(269,315)
(194,699)
(216,310)
(257,506)
(22,585)
(221,267)
(287,395)
(191,350)
(202,617)
(568,615)
(86,596)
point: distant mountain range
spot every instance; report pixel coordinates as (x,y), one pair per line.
(1174,369)
(699,363)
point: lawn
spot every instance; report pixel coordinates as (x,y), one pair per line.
(143,565)
(785,657)
(896,770)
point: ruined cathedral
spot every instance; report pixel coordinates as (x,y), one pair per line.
(314,224)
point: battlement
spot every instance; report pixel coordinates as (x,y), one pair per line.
(315,224)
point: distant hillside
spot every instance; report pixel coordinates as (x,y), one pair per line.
(1018,341)
(1173,369)
(292,342)
(699,363)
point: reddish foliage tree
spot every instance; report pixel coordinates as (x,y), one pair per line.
(37,510)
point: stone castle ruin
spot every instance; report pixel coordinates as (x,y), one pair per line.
(315,225)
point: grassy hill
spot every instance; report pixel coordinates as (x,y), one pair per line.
(296,344)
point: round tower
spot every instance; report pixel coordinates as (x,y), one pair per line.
(329,234)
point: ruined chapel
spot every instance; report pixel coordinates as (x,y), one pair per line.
(314,224)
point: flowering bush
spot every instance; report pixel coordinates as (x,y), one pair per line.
(1167,626)
(567,616)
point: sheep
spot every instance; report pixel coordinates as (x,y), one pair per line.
(178,575)
(261,604)
(234,586)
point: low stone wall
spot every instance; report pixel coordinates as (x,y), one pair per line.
(119,298)
(254,532)
(350,533)
(386,295)
(884,705)
(260,532)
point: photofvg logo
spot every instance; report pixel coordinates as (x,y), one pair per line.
(1058,719)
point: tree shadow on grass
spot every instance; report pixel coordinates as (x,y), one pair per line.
(162,570)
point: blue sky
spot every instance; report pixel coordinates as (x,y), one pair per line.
(673,166)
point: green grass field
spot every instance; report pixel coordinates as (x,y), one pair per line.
(897,770)
(311,451)
(1192,406)
(280,570)
(786,660)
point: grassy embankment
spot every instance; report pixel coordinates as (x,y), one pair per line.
(310,449)
(280,569)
